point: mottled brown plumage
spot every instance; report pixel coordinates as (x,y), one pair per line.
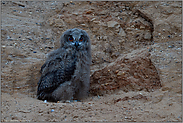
(66,72)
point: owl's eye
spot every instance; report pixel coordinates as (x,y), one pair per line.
(71,38)
(81,38)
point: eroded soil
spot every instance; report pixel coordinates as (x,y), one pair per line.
(30,30)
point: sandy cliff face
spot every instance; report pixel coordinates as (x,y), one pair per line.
(136,66)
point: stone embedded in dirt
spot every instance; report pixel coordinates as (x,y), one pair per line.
(112,23)
(122,32)
(132,72)
(147,35)
(11,50)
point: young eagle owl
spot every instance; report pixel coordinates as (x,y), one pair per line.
(66,73)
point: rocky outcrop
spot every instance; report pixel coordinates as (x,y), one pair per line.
(131,72)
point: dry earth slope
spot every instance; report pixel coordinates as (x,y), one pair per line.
(136,69)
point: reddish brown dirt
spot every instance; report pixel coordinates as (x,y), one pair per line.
(30,30)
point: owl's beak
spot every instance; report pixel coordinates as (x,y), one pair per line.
(76,44)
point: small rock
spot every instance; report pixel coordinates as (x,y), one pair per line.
(147,35)
(142,27)
(52,110)
(83,24)
(158,98)
(10,50)
(72,2)
(9,38)
(171,46)
(45,101)
(102,12)
(166,89)
(9,58)
(105,38)
(122,41)
(76,14)
(89,12)
(119,73)
(117,27)
(112,23)
(116,14)
(93,19)
(68,101)
(128,29)
(116,54)
(132,26)
(122,32)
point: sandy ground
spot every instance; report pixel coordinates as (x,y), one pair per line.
(30,30)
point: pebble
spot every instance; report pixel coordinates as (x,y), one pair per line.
(9,38)
(132,26)
(15,44)
(171,46)
(52,110)
(142,27)
(122,32)
(93,19)
(45,101)
(112,23)
(105,38)
(76,14)
(68,101)
(72,3)
(147,35)
(98,96)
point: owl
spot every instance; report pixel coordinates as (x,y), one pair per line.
(66,73)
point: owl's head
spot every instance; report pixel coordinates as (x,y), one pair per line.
(76,39)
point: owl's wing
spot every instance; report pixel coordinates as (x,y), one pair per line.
(52,78)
